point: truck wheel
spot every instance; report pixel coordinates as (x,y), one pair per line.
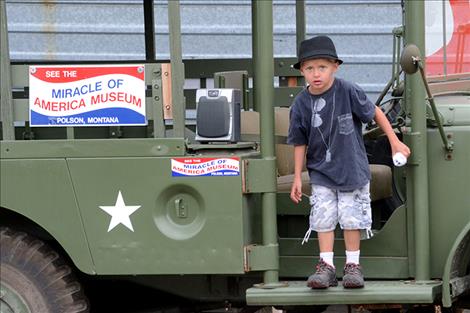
(34,278)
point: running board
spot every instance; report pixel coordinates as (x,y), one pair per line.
(374,292)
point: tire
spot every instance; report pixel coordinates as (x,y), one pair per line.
(305,309)
(34,278)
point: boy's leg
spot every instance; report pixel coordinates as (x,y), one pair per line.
(354,214)
(352,273)
(325,274)
(325,242)
(323,220)
(352,239)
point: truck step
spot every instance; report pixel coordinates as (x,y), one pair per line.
(297,293)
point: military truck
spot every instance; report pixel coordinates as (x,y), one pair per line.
(105,182)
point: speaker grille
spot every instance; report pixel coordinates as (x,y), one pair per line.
(213,117)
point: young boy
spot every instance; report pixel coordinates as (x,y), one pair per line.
(326,126)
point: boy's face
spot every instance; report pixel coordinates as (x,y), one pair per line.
(319,74)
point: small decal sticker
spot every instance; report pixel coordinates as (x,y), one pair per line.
(205,167)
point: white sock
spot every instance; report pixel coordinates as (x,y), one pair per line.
(327,257)
(352,256)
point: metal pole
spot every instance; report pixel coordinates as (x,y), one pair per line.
(6,102)
(263,62)
(149,31)
(444,37)
(300,28)
(254,51)
(415,98)
(447,144)
(300,21)
(395,57)
(177,68)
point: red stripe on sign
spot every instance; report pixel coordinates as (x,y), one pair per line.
(72,74)
(458,49)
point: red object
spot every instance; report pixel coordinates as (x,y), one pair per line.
(458,48)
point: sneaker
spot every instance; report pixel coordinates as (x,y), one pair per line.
(353,277)
(324,277)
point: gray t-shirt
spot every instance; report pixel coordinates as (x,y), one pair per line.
(330,124)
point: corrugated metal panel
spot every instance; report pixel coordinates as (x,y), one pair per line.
(113,30)
(75,30)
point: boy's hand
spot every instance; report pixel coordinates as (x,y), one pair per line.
(399,146)
(296,191)
(395,143)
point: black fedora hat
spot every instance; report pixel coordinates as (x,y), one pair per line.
(315,48)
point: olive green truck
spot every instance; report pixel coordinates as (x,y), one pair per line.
(105,181)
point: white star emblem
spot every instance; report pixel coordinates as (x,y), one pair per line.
(120,213)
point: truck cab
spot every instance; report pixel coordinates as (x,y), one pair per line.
(113,173)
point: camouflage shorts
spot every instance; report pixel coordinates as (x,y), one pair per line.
(351,209)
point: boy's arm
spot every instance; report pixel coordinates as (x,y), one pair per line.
(296,190)
(395,143)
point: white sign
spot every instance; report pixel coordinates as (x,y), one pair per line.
(106,95)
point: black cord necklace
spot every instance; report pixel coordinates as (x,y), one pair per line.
(318,106)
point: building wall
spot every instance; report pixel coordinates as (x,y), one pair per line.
(113,30)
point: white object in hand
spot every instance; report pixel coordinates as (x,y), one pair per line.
(399,159)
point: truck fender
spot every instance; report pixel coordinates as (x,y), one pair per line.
(456,265)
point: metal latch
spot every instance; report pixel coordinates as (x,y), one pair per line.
(181,210)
